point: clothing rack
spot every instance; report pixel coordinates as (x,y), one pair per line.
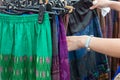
(18,7)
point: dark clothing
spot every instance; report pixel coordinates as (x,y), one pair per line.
(86,65)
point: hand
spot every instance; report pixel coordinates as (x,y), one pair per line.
(75,42)
(100,4)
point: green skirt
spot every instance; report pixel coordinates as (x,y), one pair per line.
(25,47)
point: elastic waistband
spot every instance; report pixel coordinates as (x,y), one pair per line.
(21,18)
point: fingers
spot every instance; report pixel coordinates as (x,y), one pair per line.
(94,5)
(95,2)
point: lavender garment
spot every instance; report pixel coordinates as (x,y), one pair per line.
(63,53)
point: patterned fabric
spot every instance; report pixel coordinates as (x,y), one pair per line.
(111,29)
(114,62)
(86,65)
(106,24)
(55,55)
(102,23)
(109,25)
(25,47)
(63,52)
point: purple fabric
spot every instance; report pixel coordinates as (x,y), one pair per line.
(63,53)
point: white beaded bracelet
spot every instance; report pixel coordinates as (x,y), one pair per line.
(88,42)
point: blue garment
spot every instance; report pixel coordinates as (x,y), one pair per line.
(55,55)
(86,65)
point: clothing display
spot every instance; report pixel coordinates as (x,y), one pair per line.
(25,47)
(60,65)
(86,65)
(110,28)
(33,43)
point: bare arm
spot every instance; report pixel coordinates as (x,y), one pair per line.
(106,46)
(107,3)
(114,5)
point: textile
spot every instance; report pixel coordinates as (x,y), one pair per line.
(25,47)
(86,65)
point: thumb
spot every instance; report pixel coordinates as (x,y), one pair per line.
(93,7)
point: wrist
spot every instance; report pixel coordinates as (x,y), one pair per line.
(83,41)
(87,43)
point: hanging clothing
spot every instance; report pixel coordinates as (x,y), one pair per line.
(86,65)
(80,17)
(65,19)
(102,23)
(107,31)
(55,55)
(60,64)
(25,47)
(111,29)
(63,52)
